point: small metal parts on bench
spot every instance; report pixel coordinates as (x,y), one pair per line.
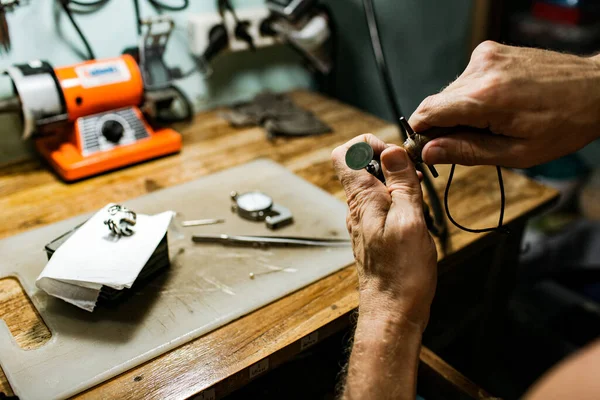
(268,241)
(202,222)
(120,220)
(257,206)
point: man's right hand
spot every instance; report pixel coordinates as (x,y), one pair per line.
(539,106)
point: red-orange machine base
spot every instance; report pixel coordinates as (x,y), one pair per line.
(62,153)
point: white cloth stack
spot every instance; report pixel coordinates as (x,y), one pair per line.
(94,257)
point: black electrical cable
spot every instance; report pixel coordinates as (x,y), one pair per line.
(499,228)
(138,17)
(91,55)
(433,198)
(384,74)
(80,7)
(168,7)
(381,62)
(97,3)
(225,5)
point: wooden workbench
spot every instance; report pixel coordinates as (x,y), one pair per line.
(31,197)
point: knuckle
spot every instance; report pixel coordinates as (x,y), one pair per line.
(486,52)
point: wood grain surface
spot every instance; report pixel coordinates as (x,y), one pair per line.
(31,196)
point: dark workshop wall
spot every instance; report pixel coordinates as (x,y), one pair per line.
(426,44)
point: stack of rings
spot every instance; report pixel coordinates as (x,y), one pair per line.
(121,220)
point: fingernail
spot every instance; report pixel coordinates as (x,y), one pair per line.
(435,155)
(395,161)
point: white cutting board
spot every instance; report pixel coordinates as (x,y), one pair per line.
(206,287)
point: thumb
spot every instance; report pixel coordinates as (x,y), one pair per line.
(401,177)
(472,149)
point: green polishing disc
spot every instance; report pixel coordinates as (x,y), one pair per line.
(359,155)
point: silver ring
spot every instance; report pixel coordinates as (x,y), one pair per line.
(121,220)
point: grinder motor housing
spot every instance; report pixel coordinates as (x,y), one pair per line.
(88,115)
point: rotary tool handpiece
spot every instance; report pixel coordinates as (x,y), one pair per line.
(415,142)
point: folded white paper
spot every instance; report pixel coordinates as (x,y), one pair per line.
(93,257)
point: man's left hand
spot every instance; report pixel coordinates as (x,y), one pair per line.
(396,256)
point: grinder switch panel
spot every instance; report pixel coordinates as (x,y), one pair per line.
(102,132)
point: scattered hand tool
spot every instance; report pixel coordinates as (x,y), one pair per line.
(202,222)
(266,241)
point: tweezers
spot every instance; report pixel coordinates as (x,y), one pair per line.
(264,241)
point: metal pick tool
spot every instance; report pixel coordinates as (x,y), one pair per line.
(202,222)
(266,241)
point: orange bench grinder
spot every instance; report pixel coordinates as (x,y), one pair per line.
(88,116)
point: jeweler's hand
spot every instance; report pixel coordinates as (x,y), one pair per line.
(396,256)
(540,105)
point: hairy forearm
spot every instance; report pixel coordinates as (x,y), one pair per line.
(384,359)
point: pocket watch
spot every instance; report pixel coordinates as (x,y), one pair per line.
(257,206)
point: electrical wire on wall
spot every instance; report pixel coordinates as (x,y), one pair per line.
(159,7)
(396,110)
(138,16)
(65,6)
(86,7)
(72,7)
